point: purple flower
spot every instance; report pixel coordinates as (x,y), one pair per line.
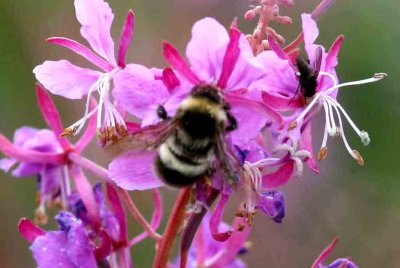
(69,247)
(281,86)
(338,263)
(73,82)
(207,252)
(272,203)
(217,57)
(45,154)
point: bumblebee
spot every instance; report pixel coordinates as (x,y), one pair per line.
(192,143)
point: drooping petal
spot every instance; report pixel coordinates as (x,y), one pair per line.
(126,38)
(29,230)
(96,18)
(206,48)
(178,63)
(216,219)
(137,91)
(306,144)
(230,58)
(82,50)
(280,176)
(51,115)
(133,171)
(50,249)
(272,203)
(65,79)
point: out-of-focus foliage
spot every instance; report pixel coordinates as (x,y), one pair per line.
(360,205)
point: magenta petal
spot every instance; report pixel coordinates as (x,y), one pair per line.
(27,155)
(137,91)
(280,102)
(331,59)
(169,79)
(178,64)
(277,49)
(126,38)
(96,18)
(280,176)
(65,79)
(83,51)
(118,210)
(134,171)
(325,253)
(50,114)
(207,48)
(230,58)
(85,191)
(29,230)
(306,144)
(216,219)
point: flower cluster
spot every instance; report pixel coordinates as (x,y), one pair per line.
(236,112)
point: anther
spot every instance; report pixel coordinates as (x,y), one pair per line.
(69,131)
(358,157)
(323,153)
(292,125)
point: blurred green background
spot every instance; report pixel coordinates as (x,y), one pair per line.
(361,205)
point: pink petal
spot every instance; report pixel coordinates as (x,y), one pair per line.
(90,131)
(26,155)
(276,48)
(29,230)
(280,102)
(178,64)
(216,219)
(96,18)
(331,59)
(280,176)
(207,48)
(306,144)
(310,29)
(230,58)
(118,210)
(83,51)
(137,91)
(51,115)
(85,190)
(134,171)
(257,106)
(65,79)
(126,38)
(7,163)
(325,253)
(169,79)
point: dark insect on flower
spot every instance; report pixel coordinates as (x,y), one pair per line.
(191,144)
(308,75)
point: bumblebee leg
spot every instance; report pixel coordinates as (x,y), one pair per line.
(232,122)
(162,113)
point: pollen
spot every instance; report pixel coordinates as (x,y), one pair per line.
(68,132)
(292,125)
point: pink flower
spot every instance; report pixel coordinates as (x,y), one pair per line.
(218,58)
(73,82)
(281,92)
(45,154)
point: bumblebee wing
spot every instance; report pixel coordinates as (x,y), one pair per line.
(318,60)
(228,161)
(149,137)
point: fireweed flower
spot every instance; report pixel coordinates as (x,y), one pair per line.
(73,82)
(45,154)
(218,58)
(68,247)
(338,263)
(282,83)
(208,253)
